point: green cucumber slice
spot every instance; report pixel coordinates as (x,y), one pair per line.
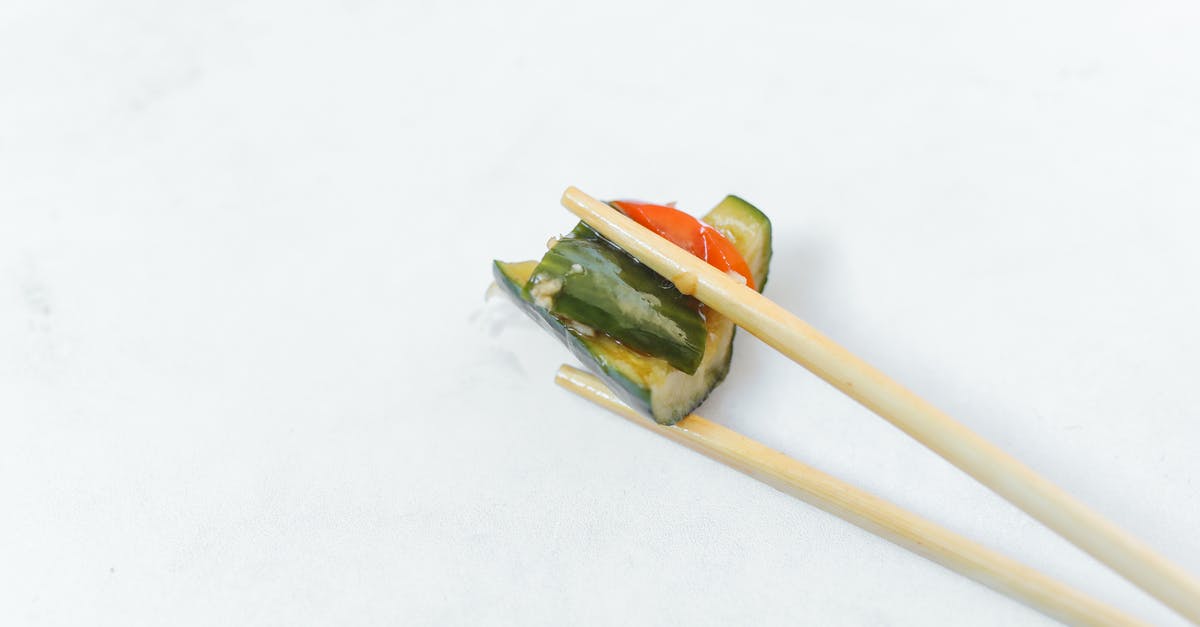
(589,280)
(649,384)
(748,229)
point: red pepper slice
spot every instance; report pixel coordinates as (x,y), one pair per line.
(689,234)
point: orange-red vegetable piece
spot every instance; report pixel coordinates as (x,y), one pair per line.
(689,234)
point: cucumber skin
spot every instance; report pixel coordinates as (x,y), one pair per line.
(631,393)
(612,281)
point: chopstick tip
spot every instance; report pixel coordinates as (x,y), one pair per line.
(575,200)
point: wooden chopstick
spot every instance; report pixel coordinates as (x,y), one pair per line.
(994,468)
(880,517)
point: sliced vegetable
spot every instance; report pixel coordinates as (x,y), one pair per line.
(748,230)
(680,228)
(690,234)
(648,383)
(586,279)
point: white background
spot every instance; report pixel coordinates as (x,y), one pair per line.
(247,374)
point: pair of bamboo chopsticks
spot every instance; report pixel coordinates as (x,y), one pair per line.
(863,509)
(988,464)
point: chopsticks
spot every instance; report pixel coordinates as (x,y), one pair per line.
(863,509)
(994,468)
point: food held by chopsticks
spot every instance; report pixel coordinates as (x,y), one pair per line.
(801,342)
(657,347)
(637,327)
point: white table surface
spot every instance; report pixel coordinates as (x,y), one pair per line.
(247,374)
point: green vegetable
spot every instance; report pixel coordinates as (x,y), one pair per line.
(749,230)
(587,279)
(647,383)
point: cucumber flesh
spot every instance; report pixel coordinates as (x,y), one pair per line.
(748,229)
(650,384)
